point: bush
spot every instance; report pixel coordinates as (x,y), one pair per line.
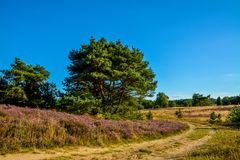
(149,115)
(234,116)
(179,113)
(215,118)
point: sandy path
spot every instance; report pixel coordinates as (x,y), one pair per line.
(167,148)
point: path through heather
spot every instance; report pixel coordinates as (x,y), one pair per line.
(168,148)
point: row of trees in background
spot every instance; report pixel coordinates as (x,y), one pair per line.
(162,101)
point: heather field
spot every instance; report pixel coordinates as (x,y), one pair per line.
(51,135)
(34,128)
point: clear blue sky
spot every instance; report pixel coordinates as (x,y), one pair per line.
(192,45)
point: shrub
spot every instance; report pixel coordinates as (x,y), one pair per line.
(149,115)
(179,113)
(215,118)
(234,116)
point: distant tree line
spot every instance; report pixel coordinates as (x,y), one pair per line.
(162,101)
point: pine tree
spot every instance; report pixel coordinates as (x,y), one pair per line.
(109,72)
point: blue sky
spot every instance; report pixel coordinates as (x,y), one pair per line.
(192,46)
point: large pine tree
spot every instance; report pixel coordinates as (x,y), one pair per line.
(109,72)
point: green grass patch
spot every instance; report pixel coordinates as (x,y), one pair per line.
(225,145)
(198,134)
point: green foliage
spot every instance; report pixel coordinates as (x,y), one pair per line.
(80,105)
(226,101)
(148,104)
(184,102)
(200,100)
(215,118)
(234,116)
(224,145)
(235,100)
(219,101)
(162,100)
(172,104)
(130,115)
(110,72)
(3,87)
(24,84)
(179,113)
(149,115)
(16,94)
(48,92)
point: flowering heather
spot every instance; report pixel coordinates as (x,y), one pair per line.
(27,127)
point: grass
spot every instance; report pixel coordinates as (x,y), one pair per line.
(198,134)
(192,114)
(61,158)
(225,145)
(145,151)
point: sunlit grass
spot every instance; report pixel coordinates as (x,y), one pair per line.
(225,145)
(199,133)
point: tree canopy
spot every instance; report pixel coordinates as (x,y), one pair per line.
(162,100)
(109,72)
(24,84)
(201,100)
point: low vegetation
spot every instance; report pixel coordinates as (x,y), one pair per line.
(224,145)
(199,133)
(215,118)
(234,116)
(26,128)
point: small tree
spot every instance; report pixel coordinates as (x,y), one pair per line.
(25,84)
(215,118)
(149,115)
(234,115)
(179,113)
(162,100)
(201,100)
